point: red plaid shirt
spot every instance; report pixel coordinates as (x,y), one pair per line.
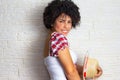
(57,42)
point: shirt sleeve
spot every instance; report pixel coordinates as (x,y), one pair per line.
(57,42)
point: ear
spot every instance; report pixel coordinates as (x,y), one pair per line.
(52,25)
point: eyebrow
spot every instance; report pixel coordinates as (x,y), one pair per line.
(63,17)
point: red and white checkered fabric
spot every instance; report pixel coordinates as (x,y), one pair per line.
(57,42)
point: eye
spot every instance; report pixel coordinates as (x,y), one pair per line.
(61,21)
(69,21)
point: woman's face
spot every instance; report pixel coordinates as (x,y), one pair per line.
(63,24)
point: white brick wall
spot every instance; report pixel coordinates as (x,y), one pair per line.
(22,34)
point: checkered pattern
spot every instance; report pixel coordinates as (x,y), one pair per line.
(57,42)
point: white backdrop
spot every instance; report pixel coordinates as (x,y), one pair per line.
(22,36)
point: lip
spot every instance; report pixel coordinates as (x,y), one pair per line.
(65,32)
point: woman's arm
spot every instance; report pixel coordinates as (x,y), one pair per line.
(79,69)
(68,65)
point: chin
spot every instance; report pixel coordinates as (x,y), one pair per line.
(63,34)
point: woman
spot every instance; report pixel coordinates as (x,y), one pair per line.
(60,16)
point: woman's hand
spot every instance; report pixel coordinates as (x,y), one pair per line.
(99,72)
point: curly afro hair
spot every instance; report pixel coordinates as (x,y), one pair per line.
(56,8)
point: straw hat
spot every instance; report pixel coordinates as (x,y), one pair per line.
(90,67)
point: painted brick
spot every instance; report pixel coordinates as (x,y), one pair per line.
(22,36)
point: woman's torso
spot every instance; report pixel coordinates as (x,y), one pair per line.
(53,65)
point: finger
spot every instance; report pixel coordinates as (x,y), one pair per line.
(99,72)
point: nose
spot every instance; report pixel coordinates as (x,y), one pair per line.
(66,25)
